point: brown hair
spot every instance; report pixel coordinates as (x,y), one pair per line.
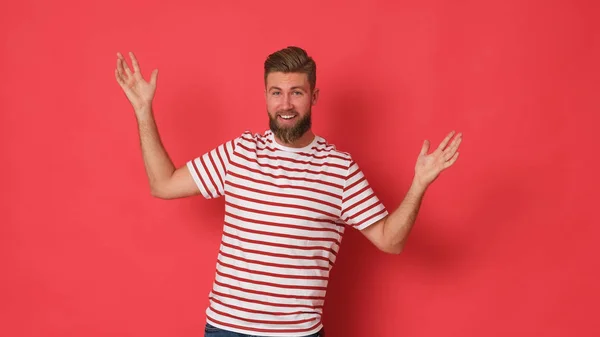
(292,60)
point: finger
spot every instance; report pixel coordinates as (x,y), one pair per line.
(120,69)
(126,89)
(125,72)
(134,62)
(118,77)
(451,161)
(425,148)
(456,140)
(154,77)
(122,81)
(449,152)
(125,65)
(446,140)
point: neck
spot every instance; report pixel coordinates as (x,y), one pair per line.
(303,141)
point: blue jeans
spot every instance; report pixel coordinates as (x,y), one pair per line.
(211,331)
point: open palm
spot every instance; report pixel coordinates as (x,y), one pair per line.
(139,92)
(429,166)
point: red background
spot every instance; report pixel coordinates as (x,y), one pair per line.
(506,241)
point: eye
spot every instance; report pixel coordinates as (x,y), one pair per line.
(275,93)
(297,93)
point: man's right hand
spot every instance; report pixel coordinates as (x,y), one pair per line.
(139,92)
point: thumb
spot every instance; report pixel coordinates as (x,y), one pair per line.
(154,76)
(425,148)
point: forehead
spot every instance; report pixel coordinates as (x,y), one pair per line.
(287,80)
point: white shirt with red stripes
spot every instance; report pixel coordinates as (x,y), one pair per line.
(286,210)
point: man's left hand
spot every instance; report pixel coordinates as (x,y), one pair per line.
(429,166)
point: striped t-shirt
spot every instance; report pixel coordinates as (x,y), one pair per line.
(285,213)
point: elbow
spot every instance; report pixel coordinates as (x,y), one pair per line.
(395,249)
(156,194)
(159,193)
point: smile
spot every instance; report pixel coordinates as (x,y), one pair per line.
(287,116)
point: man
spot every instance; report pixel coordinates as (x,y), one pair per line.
(289,195)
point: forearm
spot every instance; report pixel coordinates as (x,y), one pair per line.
(158,165)
(399,223)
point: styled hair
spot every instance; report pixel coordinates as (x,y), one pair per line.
(292,60)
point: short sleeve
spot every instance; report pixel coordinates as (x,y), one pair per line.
(210,169)
(360,206)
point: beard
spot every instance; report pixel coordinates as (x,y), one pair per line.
(293,133)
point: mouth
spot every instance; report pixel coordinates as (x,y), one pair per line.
(288,117)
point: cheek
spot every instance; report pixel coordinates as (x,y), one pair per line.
(302,104)
(272,104)
(275,100)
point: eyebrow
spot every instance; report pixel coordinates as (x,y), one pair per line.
(292,88)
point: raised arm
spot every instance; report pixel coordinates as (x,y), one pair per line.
(166,181)
(390,233)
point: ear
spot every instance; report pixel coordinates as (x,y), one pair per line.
(315,96)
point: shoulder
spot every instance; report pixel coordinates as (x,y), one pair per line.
(251,140)
(332,152)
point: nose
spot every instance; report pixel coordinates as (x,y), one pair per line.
(286,104)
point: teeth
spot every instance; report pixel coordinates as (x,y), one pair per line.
(287,117)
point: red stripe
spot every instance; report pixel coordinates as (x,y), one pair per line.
(227,152)
(354,194)
(250,271)
(262,141)
(224,148)
(273,149)
(254,160)
(259,320)
(209,318)
(210,156)
(259,242)
(270,284)
(209,176)
(273,304)
(265,293)
(278,204)
(286,256)
(318,181)
(260,312)
(274,224)
(289,178)
(348,188)
(353,173)
(320,150)
(359,203)
(200,177)
(276,265)
(377,203)
(292,160)
(369,218)
(289,216)
(338,207)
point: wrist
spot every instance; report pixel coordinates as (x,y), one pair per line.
(144,112)
(418,187)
